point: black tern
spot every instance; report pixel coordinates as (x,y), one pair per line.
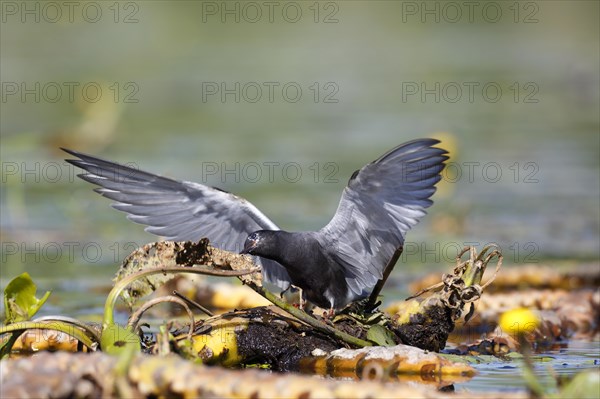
(334,266)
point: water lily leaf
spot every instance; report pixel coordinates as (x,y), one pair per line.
(158,255)
(20,302)
(380,335)
(163,255)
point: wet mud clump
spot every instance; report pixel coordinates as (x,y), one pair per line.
(274,345)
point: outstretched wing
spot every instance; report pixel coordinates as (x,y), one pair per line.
(382,201)
(180,210)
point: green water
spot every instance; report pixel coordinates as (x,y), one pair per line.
(516,93)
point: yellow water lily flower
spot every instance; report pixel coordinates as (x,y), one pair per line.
(519,321)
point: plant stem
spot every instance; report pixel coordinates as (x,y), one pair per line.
(70,320)
(535,388)
(61,326)
(112,297)
(134,319)
(311,321)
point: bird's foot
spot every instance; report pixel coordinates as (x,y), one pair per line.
(328,314)
(302,303)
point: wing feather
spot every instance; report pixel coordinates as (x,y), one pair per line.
(180,210)
(382,202)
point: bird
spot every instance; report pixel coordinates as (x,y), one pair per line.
(339,264)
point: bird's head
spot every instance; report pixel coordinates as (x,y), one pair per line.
(252,244)
(259,243)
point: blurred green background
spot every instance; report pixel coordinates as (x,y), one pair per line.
(512,89)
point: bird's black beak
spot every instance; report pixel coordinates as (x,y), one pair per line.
(249,245)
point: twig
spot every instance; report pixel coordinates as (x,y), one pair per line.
(193,303)
(498,265)
(471,270)
(137,315)
(424,290)
(386,273)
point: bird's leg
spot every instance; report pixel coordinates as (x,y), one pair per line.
(302,300)
(328,314)
(285,291)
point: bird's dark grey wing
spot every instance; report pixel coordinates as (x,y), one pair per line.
(180,210)
(382,201)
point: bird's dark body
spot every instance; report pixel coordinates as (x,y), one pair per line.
(338,264)
(321,278)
